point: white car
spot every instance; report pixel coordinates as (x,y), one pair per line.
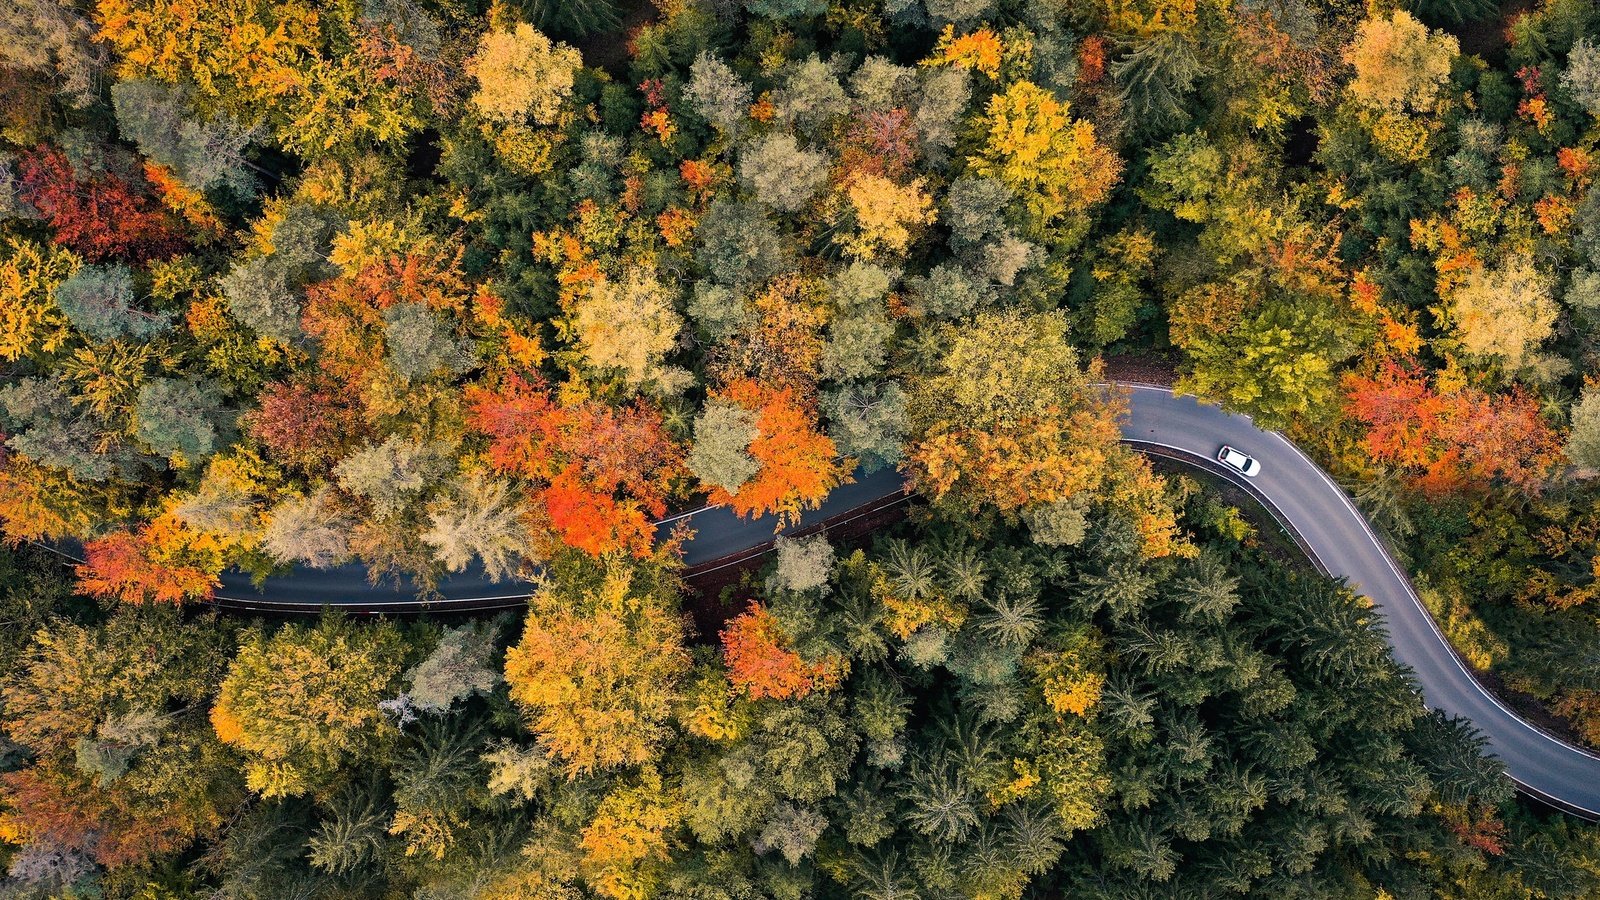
(1233,459)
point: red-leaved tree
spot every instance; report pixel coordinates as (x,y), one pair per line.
(1448,438)
(599,472)
(306,424)
(100,218)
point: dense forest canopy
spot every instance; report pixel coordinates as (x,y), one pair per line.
(430,284)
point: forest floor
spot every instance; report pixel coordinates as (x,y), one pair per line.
(609,49)
(1487,37)
(1142,366)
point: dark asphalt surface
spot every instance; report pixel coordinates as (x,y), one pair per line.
(1296,491)
(1342,544)
(718,534)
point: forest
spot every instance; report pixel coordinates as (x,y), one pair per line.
(431,286)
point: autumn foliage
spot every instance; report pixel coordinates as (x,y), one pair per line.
(56,804)
(144,566)
(305,423)
(604,470)
(762,663)
(100,218)
(596,671)
(798,462)
(1450,436)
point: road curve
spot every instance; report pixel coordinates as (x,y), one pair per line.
(1323,521)
(1314,510)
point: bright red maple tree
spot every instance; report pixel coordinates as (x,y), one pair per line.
(100,218)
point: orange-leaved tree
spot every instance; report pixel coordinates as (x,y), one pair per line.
(308,424)
(600,471)
(160,562)
(792,464)
(762,662)
(1448,434)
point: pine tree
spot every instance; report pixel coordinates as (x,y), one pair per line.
(353,833)
(940,802)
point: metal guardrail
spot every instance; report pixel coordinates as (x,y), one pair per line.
(1205,463)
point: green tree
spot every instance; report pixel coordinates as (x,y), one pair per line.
(49,428)
(1278,364)
(420,345)
(303,702)
(161,120)
(1581,78)
(262,296)
(867,420)
(352,835)
(180,418)
(720,455)
(804,564)
(779,173)
(1452,12)
(1583,441)
(738,245)
(459,666)
(811,96)
(99,302)
(1155,79)
(576,18)
(718,94)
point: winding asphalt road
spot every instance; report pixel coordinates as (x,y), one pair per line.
(1302,497)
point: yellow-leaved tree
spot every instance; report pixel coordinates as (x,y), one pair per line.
(30,321)
(1009,418)
(303,703)
(1054,162)
(1401,71)
(521,75)
(626,845)
(599,665)
(1401,66)
(887,215)
(626,327)
(1504,312)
